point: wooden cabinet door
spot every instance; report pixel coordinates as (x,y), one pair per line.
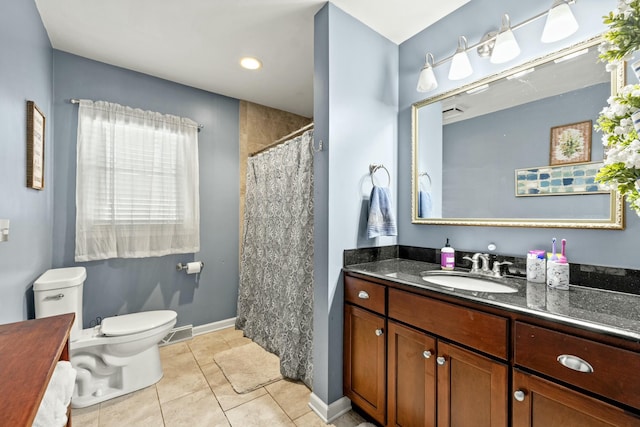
(364,361)
(541,403)
(411,358)
(472,389)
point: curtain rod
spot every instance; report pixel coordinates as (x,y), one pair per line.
(77,101)
(283,139)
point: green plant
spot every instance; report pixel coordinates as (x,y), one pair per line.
(621,170)
(623,36)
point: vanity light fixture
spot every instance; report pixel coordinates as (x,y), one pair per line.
(460,65)
(427,80)
(506,47)
(560,24)
(250,63)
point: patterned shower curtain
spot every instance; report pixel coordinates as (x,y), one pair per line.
(275,300)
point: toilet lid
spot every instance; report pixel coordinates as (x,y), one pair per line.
(135,322)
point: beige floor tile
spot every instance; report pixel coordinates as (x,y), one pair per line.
(311,419)
(199,409)
(205,346)
(237,342)
(223,391)
(140,408)
(182,376)
(292,396)
(230,334)
(260,412)
(168,352)
(85,417)
(350,419)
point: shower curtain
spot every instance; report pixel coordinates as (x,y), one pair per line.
(275,299)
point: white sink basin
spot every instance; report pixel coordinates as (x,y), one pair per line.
(458,280)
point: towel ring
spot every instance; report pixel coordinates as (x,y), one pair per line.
(428,177)
(373,168)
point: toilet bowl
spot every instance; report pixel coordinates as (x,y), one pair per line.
(114,358)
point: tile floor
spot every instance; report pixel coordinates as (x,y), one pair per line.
(194,392)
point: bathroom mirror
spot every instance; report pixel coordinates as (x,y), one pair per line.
(518,148)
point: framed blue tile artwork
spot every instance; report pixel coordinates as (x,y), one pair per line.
(559,180)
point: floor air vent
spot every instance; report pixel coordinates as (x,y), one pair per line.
(181,333)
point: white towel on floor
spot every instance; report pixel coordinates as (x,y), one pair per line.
(53,408)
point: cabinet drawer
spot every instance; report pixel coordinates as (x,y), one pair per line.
(614,370)
(482,331)
(365,294)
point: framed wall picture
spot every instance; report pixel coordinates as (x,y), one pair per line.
(35,146)
(570,143)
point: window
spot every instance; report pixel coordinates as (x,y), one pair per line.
(136,183)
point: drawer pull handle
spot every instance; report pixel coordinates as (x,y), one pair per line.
(519,395)
(426,354)
(575,363)
(379,332)
(363,295)
(441,360)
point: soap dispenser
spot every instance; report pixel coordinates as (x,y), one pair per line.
(447,257)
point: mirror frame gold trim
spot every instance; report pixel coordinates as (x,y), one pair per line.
(616,219)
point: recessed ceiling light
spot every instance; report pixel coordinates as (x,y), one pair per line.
(250,63)
(571,56)
(521,74)
(478,89)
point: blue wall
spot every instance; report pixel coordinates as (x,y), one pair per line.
(25,74)
(122,286)
(599,247)
(355,108)
(482,153)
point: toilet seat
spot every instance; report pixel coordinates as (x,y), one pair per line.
(133,323)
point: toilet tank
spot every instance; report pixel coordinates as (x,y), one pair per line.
(59,291)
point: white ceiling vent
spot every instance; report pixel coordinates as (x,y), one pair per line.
(451,112)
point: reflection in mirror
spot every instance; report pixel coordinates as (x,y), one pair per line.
(518,148)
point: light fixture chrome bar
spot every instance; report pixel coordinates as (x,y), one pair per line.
(492,39)
(77,101)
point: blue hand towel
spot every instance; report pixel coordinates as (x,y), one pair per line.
(381,220)
(424,204)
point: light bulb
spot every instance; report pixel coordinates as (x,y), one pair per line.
(427,79)
(460,65)
(560,23)
(506,47)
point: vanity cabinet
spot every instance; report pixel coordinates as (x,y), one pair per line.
(364,347)
(416,358)
(451,386)
(411,377)
(539,402)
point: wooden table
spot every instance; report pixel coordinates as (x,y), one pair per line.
(29,351)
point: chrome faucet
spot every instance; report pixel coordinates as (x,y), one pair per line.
(479,258)
(475,263)
(496,272)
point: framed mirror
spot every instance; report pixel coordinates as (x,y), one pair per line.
(518,149)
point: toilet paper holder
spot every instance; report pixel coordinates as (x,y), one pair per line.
(183,266)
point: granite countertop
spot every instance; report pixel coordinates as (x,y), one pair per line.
(608,312)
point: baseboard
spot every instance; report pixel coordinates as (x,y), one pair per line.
(328,413)
(215,326)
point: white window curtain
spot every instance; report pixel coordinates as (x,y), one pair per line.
(136,183)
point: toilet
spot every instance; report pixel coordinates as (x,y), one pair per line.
(111,359)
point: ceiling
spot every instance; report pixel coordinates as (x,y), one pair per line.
(199,42)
